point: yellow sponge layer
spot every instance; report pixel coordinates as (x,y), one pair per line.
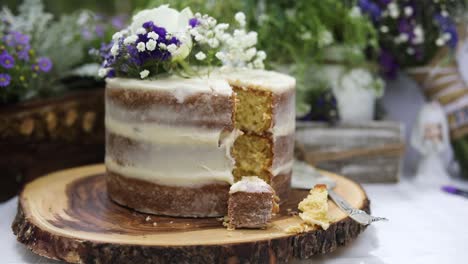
(253,155)
(253,110)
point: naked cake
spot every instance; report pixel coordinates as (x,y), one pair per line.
(175,143)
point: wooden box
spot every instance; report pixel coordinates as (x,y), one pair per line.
(365,152)
(44,135)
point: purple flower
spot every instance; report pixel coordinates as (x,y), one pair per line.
(20,38)
(4,79)
(99,29)
(388,64)
(7,61)
(447,25)
(370,8)
(45,64)
(193,22)
(23,55)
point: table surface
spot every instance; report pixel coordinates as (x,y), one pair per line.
(426,225)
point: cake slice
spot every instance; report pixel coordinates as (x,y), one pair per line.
(251,203)
(314,210)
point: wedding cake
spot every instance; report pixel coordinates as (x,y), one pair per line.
(178,137)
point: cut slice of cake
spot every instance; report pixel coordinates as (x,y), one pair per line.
(251,203)
(314,210)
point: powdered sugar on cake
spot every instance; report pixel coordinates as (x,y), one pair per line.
(251,184)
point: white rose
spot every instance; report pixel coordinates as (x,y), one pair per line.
(175,22)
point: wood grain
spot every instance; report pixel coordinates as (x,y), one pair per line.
(68,216)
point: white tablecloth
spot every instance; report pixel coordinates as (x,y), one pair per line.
(426,225)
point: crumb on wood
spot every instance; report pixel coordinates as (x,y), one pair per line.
(155,224)
(171,222)
(148,218)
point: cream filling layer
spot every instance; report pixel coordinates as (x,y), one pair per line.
(193,179)
(172,155)
(164,134)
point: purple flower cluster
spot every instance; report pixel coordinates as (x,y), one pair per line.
(410,31)
(18,61)
(130,57)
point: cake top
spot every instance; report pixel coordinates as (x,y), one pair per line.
(219,81)
(164,40)
(251,184)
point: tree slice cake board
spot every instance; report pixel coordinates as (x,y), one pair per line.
(68,216)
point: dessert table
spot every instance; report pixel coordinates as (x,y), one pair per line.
(426,225)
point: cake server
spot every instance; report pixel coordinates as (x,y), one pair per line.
(306,177)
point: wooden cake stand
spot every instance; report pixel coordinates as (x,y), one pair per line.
(67,216)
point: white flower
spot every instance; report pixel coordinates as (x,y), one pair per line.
(140,31)
(261,55)
(214,43)
(220,55)
(393,10)
(258,64)
(117,36)
(306,35)
(140,46)
(200,56)
(384,29)
(355,12)
(408,11)
(440,42)
(103,72)
(446,36)
(144,74)
(162,46)
(410,51)
(153,35)
(240,18)
(175,23)
(172,48)
(325,38)
(418,35)
(115,49)
(151,44)
(250,53)
(444,13)
(130,39)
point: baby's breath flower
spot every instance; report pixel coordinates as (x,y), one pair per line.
(200,56)
(153,35)
(117,36)
(140,46)
(162,46)
(144,74)
(130,39)
(384,29)
(103,72)
(172,48)
(261,55)
(115,49)
(240,18)
(355,12)
(151,45)
(140,31)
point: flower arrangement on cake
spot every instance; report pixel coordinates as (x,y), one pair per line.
(164,40)
(190,112)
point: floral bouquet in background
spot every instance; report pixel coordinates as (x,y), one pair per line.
(22,70)
(48,53)
(411,32)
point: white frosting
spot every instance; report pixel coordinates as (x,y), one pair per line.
(183,178)
(170,153)
(164,134)
(251,184)
(260,79)
(284,168)
(180,87)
